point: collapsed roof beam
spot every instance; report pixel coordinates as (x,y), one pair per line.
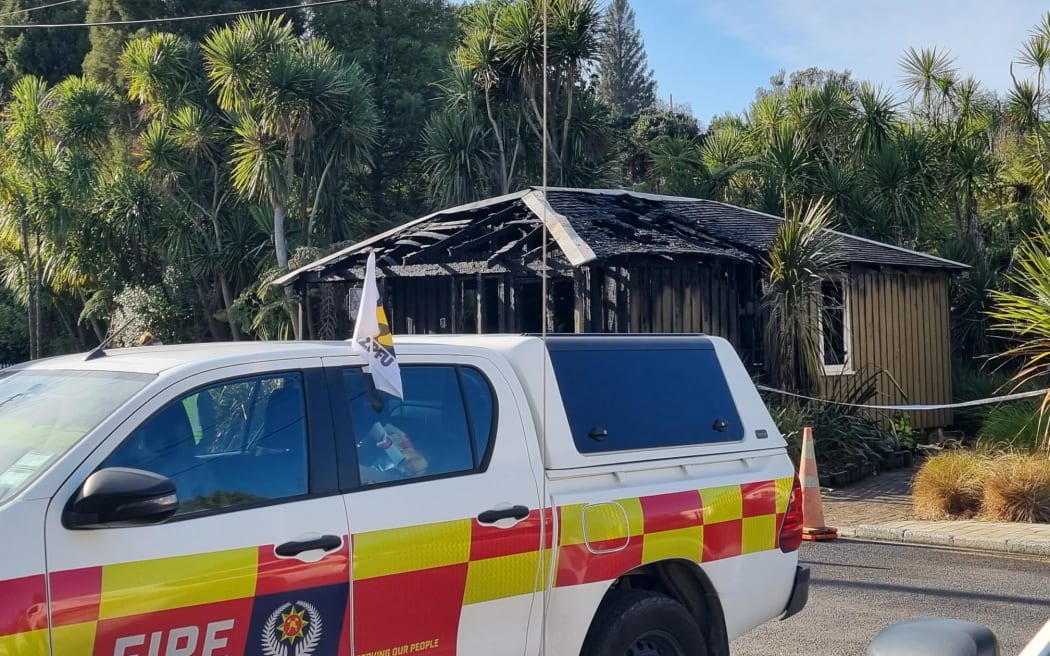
(576,250)
(488,238)
(431,252)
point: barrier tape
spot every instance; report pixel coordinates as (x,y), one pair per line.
(912,408)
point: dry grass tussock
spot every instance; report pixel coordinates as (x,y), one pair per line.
(1007,487)
(949,486)
(1017,489)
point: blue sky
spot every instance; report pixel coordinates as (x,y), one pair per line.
(713,54)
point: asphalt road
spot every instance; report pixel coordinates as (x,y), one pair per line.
(860,587)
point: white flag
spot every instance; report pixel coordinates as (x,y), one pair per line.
(372,337)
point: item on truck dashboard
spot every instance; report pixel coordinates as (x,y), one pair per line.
(398,451)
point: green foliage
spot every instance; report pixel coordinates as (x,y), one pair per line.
(1015,426)
(972,381)
(791,418)
(498,76)
(676,166)
(843,436)
(264,310)
(457,162)
(166,309)
(971,298)
(50,54)
(222,161)
(297,109)
(801,256)
(14,331)
(904,431)
(107,43)
(1023,315)
(640,133)
(402,47)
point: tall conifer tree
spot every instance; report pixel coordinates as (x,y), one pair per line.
(625,79)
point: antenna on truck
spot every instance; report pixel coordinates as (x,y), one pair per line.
(100,350)
(545,518)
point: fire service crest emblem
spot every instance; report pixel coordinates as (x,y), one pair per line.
(293,629)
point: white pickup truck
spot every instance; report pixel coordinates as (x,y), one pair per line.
(596,495)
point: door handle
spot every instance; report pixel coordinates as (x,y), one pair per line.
(296,547)
(493,516)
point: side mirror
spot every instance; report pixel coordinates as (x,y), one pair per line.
(935,637)
(119,496)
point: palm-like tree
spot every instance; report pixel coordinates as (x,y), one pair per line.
(801,256)
(185,148)
(56,138)
(1026,101)
(876,119)
(676,165)
(929,75)
(972,167)
(503,53)
(828,119)
(724,155)
(298,112)
(458,160)
(788,165)
(477,67)
(1022,313)
(900,180)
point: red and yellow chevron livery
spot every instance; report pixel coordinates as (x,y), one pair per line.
(214,603)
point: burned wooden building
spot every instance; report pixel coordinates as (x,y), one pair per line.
(630,262)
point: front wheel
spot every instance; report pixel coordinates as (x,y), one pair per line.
(644,623)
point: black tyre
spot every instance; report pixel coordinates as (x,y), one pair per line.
(644,623)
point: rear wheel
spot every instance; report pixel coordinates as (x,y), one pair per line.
(644,623)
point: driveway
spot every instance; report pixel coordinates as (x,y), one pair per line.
(860,587)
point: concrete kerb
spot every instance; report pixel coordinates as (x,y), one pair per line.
(906,535)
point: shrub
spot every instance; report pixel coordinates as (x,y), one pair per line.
(843,435)
(970,382)
(1017,489)
(949,486)
(791,418)
(1014,426)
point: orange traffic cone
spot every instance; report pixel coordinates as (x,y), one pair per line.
(813,527)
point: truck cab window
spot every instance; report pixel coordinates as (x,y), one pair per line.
(441,427)
(241,441)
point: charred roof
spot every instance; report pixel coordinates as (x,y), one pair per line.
(505,234)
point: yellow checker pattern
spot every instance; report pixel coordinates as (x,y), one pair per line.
(783,488)
(74,639)
(411,548)
(678,543)
(166,583)
(29,643)
(758,534)
(722,504)
(606,522)
(503,576)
